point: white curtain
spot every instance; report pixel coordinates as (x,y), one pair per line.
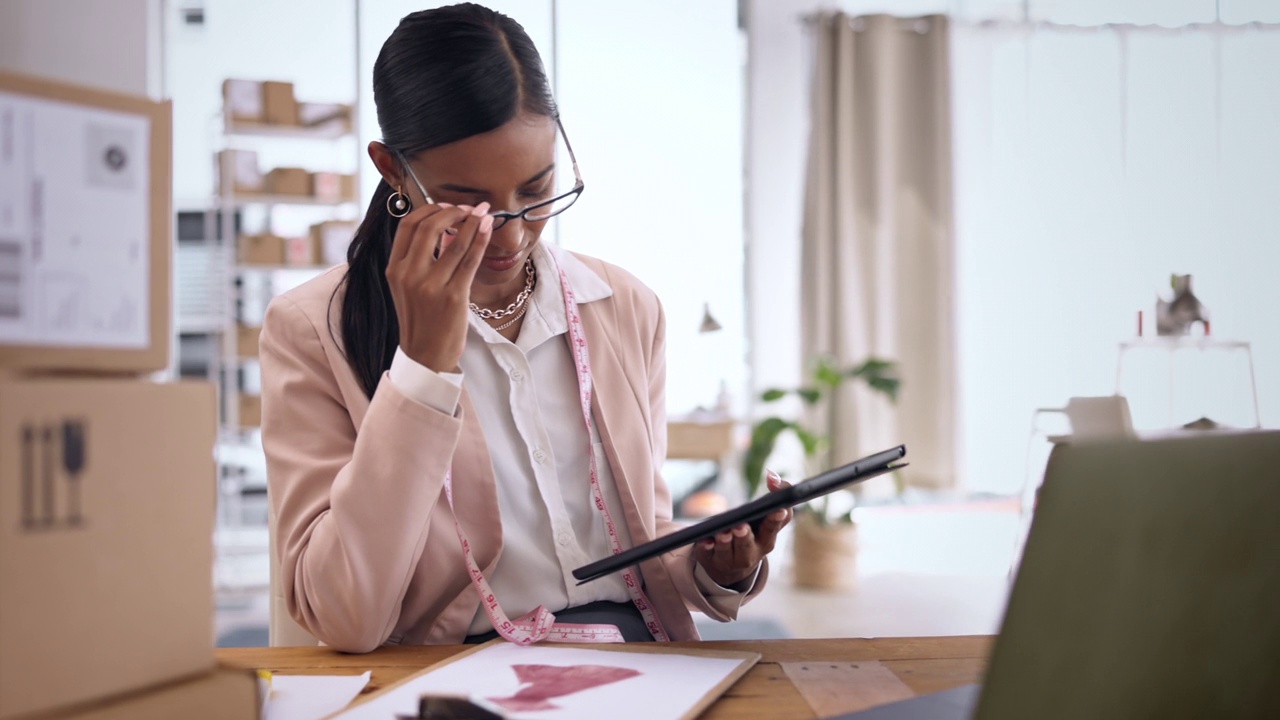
(877,259)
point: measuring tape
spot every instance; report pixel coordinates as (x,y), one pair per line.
(540,624)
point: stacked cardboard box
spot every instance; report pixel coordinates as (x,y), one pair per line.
(333,187)
(273,103)
(331,240)
(239,173)
(275,251)
(107,480)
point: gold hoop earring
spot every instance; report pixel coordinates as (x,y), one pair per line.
(398,204)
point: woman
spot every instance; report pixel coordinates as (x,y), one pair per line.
(439,458)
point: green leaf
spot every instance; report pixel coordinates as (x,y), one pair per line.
(773,394)
(811,396)
(873,367)
(763,438)
(812,443)
(827,375)
(887,385)
(767,430)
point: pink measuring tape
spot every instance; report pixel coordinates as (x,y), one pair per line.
(540,624)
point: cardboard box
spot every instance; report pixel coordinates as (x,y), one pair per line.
(301,252)
(311,114)
(278,104)
(350,186)
(289,181)
(331,240)
(264,249)
(240,168)
(225,694)
(242,100)
(247,340)
(107,492)
(250,411)
(97,295)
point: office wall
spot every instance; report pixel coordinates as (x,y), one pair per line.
(112,44)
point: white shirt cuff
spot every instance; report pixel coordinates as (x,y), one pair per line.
(439,391)
(722,598)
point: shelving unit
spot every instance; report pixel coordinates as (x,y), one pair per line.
(221,295)
(218,287)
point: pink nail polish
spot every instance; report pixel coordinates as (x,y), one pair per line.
(486,224)
(444,205)
(481,210)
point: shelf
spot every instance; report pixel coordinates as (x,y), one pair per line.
(199,326)
(331,130)
(249,267)
(242,199)
(240,449)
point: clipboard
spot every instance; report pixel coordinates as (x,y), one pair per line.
(752,512)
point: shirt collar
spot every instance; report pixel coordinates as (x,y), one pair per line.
(546,317)
(587,285)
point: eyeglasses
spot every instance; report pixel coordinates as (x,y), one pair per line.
(537,212)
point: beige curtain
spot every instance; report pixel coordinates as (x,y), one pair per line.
(877,260)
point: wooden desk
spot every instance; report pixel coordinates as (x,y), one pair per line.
(903,665)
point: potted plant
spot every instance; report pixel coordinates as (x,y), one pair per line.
(825,536)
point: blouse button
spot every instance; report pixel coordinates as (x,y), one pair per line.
(517,375)
(539,455)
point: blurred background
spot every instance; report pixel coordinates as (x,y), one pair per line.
(986,199)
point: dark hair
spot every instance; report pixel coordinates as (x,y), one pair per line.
(444,75)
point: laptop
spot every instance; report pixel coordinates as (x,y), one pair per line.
(1150,588)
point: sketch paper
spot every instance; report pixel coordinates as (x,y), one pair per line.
(557,682)
(75,249)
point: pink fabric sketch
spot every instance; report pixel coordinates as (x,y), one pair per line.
(551,681)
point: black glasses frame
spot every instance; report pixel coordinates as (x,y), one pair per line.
(529,212)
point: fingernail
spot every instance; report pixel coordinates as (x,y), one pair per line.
(444,205)
(465,208)
(741,531)
(481,210)
(486,224)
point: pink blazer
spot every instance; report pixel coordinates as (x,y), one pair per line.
(367,549)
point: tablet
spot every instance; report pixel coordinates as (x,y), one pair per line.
(752,512)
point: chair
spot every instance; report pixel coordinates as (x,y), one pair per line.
(1091,419)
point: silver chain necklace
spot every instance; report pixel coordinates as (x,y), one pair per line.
(521,299)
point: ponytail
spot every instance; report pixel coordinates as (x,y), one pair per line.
(370,328)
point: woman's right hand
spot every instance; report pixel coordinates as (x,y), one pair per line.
(432,294)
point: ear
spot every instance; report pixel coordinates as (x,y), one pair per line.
(388,165)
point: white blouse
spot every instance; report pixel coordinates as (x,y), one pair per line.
(526,398)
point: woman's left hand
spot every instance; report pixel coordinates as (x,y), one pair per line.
(732,556)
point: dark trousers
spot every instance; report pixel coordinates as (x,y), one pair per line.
(624,616)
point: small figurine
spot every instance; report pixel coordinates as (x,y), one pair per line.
(1176,316)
